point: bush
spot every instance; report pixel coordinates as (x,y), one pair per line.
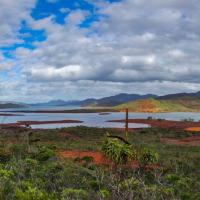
(31,194)
(118,151)
(45,153)
(19,150)
(146,157)
(104,194)
(74,194)
(4,156)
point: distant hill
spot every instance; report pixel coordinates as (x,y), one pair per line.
(6,105)
(152,106)
(102,102)
(155,105)
(51,103)
(65,103)
(117,99)
(180,102)
(180,96)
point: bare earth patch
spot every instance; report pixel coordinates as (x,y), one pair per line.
(99,158)
(189,141)
(196,129)
(69,135)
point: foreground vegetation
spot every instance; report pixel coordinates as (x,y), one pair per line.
(31,168)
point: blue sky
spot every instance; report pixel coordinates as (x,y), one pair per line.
(64,49)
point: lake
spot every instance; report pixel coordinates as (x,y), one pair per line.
(90,119)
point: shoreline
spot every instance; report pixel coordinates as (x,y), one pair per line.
(101,111)
(9,115)
(153,123)
(29,123)
(63,111)
(166,124)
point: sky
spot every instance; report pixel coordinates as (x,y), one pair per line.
(75,49)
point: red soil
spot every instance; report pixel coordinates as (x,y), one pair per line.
(9,115)
(71,136)
(99,158)
(24,123)
(167,124)
(10,125)
(190,141)
(195,129)
(147,106)
(48,122)
(104,113)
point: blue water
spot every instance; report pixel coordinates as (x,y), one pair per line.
(91,119)
(43,108)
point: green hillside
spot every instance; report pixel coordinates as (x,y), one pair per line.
(190,103)
(153,105)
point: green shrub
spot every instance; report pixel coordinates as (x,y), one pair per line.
(74,194)
(4,156)
(45,153)
(146,157)
(31,194)
(118,151)
(19,150)
(104,194)
(5,174)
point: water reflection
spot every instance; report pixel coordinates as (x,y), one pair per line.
(94,119)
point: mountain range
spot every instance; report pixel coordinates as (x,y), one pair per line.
(102,102)
(10,104)
(180,96)
(182,102)
(135,102)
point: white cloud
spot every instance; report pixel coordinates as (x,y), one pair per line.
(64,10)
(176,53)
(50,74)
(149,46)
(11,14)
(52,1)
(5,64)
(140,60)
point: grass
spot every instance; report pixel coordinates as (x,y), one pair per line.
(153,105)
(53,176)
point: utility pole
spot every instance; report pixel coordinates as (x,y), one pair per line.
(126,125)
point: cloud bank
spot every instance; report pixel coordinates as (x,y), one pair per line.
(134,46)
